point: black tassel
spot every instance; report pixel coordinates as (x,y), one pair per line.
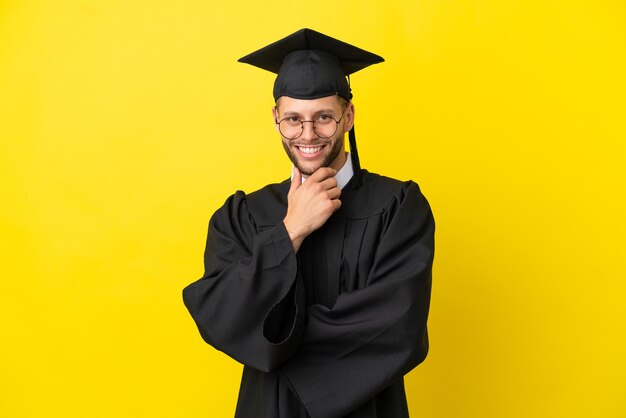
(354,154)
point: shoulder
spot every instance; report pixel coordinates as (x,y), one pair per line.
(403,207)
(376,194)
(393,191)
(389,187)
(263,207)
(381,182)
(275,193)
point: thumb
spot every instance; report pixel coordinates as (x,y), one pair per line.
(296,180)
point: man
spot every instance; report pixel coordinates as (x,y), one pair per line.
(319,285)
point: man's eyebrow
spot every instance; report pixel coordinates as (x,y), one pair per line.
(318,112)
(331,111)
(291,113)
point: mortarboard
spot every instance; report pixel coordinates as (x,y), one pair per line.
(311,65)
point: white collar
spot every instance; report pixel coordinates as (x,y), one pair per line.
(344,174)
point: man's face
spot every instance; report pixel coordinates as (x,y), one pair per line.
(309,152)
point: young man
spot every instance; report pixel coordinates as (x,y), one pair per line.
(319,285)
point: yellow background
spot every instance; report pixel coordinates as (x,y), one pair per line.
(125,124)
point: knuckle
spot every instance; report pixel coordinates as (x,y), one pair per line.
(320,173)
(327,171)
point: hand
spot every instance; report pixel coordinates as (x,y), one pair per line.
(310,204)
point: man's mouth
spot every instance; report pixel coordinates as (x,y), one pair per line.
(310,152)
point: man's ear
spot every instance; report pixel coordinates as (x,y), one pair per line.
(275,117)
(349,117)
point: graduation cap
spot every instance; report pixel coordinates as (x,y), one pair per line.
(311,65)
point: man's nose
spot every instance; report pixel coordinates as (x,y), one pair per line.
(308,133)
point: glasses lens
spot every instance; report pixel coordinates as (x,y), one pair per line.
(290,128)
(325,126)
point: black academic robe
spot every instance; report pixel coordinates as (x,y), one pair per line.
(328,332)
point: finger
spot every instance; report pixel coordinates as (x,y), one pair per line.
(296,180)
(322,174)
(329,183)
(333,193)
(337,204)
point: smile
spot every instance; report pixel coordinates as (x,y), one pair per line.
(309,150)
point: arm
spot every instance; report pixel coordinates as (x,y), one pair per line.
(372,336)
(248,302)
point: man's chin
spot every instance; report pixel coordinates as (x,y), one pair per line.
(309,167)
(307,170)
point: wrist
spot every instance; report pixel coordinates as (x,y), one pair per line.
(296,234)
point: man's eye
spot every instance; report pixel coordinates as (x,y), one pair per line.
(324,118)
(292,119)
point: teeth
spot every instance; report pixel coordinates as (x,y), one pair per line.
(310,150)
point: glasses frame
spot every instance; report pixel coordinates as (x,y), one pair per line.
(302,122)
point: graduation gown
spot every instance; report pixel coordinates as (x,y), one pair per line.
(328,332)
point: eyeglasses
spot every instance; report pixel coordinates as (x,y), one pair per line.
(324,126)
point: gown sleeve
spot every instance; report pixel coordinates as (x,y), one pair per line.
(372,336)
(248,302)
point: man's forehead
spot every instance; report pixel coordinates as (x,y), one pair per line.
(289,104)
